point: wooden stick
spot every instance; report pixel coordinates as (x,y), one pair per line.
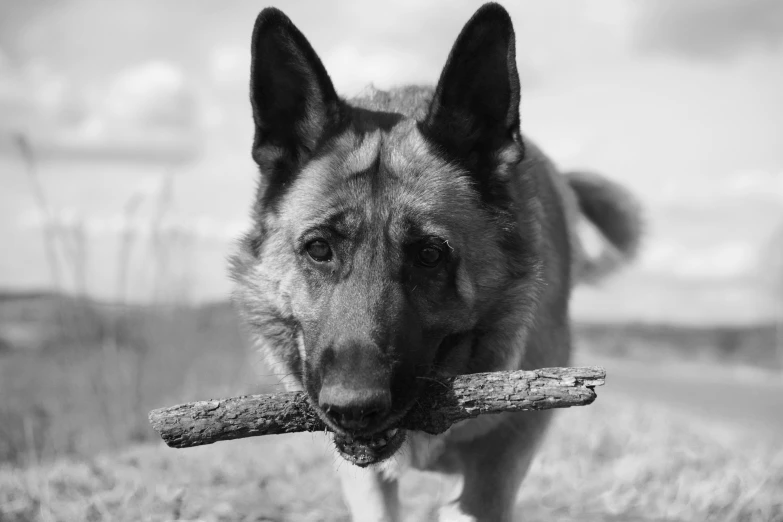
(441,404)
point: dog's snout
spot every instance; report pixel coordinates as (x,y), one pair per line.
(353,409)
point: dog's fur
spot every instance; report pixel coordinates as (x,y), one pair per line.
(409,234)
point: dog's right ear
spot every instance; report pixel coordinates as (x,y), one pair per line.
(294,102)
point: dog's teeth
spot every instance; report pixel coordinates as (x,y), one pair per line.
(391,433)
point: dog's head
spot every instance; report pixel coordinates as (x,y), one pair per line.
(383,246)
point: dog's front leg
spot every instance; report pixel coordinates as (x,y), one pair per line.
(493,466)
(369,495)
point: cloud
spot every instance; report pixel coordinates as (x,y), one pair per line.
(707,191)
(709,29)
(154,93)
(230,65)
(727,260)
(383,68)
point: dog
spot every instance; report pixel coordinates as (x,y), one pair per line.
(411,234)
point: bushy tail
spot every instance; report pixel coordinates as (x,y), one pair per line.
(616,213)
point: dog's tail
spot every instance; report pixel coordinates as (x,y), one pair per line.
(616,214)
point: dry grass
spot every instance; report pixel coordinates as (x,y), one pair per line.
(610,461)
(87,388)
(70,403)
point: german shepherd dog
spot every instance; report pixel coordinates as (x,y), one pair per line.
(411,234)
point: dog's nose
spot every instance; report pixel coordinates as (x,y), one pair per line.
(354,409)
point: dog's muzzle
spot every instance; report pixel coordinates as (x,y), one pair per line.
(365,450)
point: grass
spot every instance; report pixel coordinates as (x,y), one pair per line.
(75,444)
(87,386)
(612,461)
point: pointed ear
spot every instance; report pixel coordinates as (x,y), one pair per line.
(475,109)
(294,102)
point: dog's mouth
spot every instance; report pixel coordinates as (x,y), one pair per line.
(369,449)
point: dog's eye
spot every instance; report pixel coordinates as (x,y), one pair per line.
(429,256)
(319,250)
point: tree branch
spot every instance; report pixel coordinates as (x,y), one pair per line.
(441,404)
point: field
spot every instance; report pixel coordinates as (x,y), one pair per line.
(76,382)
(610,461)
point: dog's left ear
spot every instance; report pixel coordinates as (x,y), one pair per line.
(475,109)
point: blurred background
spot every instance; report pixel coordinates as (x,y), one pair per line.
(126,178)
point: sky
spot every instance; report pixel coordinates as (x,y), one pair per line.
(138,118)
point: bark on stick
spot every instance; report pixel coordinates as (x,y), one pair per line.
(442,403)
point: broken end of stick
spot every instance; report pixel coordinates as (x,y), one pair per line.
(587,376)
(165,422)
(158,420)
(590,377)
